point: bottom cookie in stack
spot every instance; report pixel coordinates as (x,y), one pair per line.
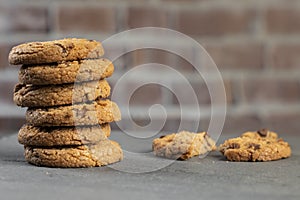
(69,146)
(92,155)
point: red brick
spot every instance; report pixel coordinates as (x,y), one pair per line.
(282,20)
(284,123)
(11,125)
(284,56)
(236,124)
(271,90)
(23,18)
(183,1)
(215,21)
(201,91)
(144,56)
(87,19)
(146,16)
(237,56)
(147,95)
(112,52)
(6,91)
(171,124)
(4,51)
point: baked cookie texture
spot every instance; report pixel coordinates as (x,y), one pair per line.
(94,155)
(183,145)
(62,136)
(97,112)
(66,72)
(62,82)
(262,145)
(45,96)
(55,51)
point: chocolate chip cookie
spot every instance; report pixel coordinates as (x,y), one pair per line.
(56,95)
(62,136)
(262,145)
(94,155)
(66,72)
(183,145)
(55,51)
(97,112)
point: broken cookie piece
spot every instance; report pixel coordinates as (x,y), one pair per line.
(183,145)
(262,145)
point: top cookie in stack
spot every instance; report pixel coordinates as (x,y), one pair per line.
(60,61)
(63,84)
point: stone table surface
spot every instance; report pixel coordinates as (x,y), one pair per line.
(208,178)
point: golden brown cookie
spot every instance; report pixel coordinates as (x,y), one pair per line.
(66,72)
(62,136)
(55,51)
(56,95)
(262,145)
(103,153)
(97,112)
(183,145)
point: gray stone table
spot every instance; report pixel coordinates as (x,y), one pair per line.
(209,178)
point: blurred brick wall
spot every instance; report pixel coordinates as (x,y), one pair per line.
(255,44)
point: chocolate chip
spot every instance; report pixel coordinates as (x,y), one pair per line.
(255,146)
(70,46)
(162,136)
(263,132)
(63,48)
(234,146)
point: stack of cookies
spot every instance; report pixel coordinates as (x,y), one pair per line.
(63,84)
